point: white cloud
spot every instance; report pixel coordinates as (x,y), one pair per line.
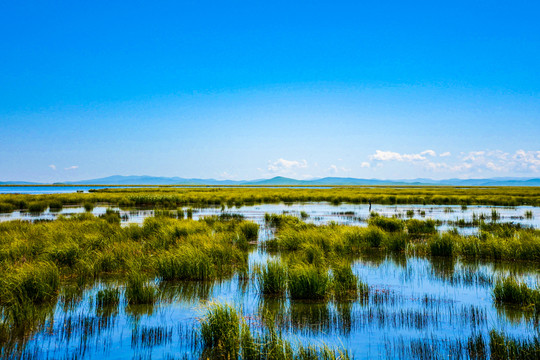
(527,160)
(428,152)
(334,169)
(365,164)
(52,166)
(394,156)
(479,161)
(72,167)
(285,166)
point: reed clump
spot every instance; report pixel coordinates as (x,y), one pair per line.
(139,290)
(250,230)
(510,291)
(108,297)
(55,205)
(220,330)
(387,224)
(504,347)
(226,334)
(442,245)
(186,263)
(308,282)
(37,207)
(272,278)
(344,281)
(32,283)
(421,228)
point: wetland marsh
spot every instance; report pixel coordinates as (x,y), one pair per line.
(268,280)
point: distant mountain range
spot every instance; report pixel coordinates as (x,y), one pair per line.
(279,180)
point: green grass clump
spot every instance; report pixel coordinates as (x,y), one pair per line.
(227,335)
(308,282)
(186,263)
(55,205)
(6,207)
(418,228)
(356,238)
(529,214)
(220,330)
(37,207)
(66,254)
(387,224)
(345,282)
(374,236)
(503,347)
(280,221)
(250,230)
(272,278)
(30,283)
(189,213)
(107,297)
(510,291)
(139,291)
(180,213)
(88,206)
(442,245)
(111,216)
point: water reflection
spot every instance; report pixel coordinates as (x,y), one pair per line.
(411,301)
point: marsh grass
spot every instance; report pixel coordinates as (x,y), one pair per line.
(139,290)
(387,224)
(220,330)
(510,291)
(442,245)
(88,206)
(250,230)
(226,334)
(272,278)
(55,205)
(186,263)
(108,297)
(308,282)
(504,347)
(37,207)
(421,228)
(345,283)
(32,283)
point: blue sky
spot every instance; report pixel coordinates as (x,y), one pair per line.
(248,89)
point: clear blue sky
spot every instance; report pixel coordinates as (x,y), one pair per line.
(252,89)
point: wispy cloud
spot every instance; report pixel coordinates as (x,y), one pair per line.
(286,166)
(334,169)
(472,162)
(381,155)
(52,166)
(72,167)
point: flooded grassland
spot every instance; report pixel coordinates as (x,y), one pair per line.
(312,280)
